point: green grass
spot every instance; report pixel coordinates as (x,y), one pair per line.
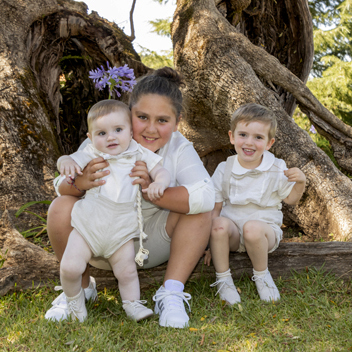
(314,314)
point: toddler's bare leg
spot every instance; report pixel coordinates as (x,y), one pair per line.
(223,238)
(125,271)
(259,238)
(73,263)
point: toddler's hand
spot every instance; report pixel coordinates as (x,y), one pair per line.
(155,191)
(69,167)
(207,257)
(295,175)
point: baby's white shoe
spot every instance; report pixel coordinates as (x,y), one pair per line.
(266,287)
(226,288)
(136,310)
(77,306)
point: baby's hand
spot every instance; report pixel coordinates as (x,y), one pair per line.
(69,167)
(295,175)
(155,191)
(207,257)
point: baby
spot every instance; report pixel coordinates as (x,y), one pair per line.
(106,220)
(249,189)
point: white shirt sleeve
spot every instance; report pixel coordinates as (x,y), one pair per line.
(192,174)
(217,179)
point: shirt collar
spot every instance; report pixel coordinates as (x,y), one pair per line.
(266,164)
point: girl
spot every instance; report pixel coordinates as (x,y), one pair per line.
(178,224)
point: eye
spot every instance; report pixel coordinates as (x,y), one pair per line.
(259,137)
(102,133)
(118,129)
(163,121)
(242,134)
(142,117)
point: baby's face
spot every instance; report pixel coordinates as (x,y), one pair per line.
(251,141)
(111,133)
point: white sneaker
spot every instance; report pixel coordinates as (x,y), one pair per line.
(169,304)
(136,310)
(227,290)
(266,287)
(76,306)
(59,310)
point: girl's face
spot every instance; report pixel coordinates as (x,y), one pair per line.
(153,121)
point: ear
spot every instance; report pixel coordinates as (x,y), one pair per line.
(270,143)
(232,138)
(177,122)
(89,135)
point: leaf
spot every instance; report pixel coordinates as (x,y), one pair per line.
(25,206)
(193,329)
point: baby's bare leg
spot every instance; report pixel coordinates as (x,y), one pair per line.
(73,263)
(125,271)
(259,238)
(224,238)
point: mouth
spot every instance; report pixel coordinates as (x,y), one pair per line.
(248,151)
(113,145)
(150,139)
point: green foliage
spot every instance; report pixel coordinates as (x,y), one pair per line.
(37,230)
(154,60)
(331,80)
(314,314)
(162,27)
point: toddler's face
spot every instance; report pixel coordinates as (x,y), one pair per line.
(250,141)
(111,133)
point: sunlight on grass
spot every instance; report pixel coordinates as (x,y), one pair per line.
(314,314)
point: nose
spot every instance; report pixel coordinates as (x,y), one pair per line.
(111,136)
(151,128)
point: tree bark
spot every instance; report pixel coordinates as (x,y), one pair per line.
(224,70)
(45,45)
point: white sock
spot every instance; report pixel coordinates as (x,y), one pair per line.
(174,285)
(226,273)
(260,273)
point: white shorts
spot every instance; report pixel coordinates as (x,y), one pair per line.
(275,227)
(158,243)
(105,225)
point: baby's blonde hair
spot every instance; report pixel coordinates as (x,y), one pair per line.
(106,107)
(254,113)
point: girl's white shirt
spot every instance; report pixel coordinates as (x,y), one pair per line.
(186,169)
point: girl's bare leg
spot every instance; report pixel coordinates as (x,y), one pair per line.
(189,237)
(59,228)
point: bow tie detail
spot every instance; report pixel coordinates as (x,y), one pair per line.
(251,173)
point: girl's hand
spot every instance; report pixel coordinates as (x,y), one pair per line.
(90,174)
(140,170)
(69,167)
(295,175)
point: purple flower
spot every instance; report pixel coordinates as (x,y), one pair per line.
(113,77)
(312,129)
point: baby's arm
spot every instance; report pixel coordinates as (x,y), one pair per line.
(68,167)
(161,178)
(295,175)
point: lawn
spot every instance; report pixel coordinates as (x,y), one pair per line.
(314,314)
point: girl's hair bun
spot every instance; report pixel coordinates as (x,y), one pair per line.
(171,75)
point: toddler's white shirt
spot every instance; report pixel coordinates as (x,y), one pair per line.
(256,192)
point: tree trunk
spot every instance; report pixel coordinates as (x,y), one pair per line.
(224,70)
(45,45)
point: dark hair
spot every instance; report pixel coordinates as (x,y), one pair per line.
(254,113)
(105,107)
(165,82)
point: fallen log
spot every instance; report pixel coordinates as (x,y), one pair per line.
(26,265)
